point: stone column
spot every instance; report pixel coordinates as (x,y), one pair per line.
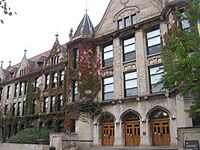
(144,133)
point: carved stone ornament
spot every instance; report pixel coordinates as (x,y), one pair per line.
(124,2)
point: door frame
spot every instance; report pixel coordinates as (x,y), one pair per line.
(113,134)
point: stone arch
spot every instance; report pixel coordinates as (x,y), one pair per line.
(154,109)
(125,113)
(105,114)
(130,10)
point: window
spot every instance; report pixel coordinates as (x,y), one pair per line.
(16,89)
(23,109)
(1,90)
(14,109)
(52,104)
(8,92)
(36,84)
(127,21)
(108,55)
(108,88)
(60,102)
(154,41)
(73,125)
(5,109)
(54,79)
(61,78)
(120,24)
(133,19)
(74,91)
(155,76)
(76,56)
(129,49)
(21,88)
(25,87)
(45,104)
(19,108)
(47,78)
(33,106)
(130,80)
(185,25)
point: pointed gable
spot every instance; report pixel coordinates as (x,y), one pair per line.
(122,9)
(85,28)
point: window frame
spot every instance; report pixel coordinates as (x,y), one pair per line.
(127,45)
(74,91)
(108,84)
(104,64)
(130,79)
(52,104)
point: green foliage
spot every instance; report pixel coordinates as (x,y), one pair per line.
(30,136)
(181,59)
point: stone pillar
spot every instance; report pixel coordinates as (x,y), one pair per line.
(141,59)
(144,133)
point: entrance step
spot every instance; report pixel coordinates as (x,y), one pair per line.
(132,148)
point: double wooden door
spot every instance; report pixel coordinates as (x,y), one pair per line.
(108,134)
(161,132)
(132,133)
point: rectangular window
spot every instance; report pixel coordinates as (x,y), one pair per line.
(61,78)
(14,109)
(24,108)
(8,92)
(33,106)
(21,86)
(108,55)
(25,87)
(54,79)
(185,25)
(130,80)
(47,78)
(52,104)
(108,88)
(155,76)
(5,109)
(60,102)
(154,41)
(1,90)
(16,89)
(36,84)
(45,104)
(75,91)
(120,24)
(133,19)
(127,21)
(19,108)
(76,57)
(129,49)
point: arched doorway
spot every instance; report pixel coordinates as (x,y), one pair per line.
(131,129)
(108,129)
(160,128)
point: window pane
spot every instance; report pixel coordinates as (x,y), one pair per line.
(134,19)
(129,48)
(131,84)
(157,88)
(154,41)
(155,78)
(127,21)
(108,62)
(108,80)
(155,70)
(129,41)
(185,24)
(108,48)
(108,55)
(108,96)
(154,49)
(129,56)
(131,75)
(131,92)
(153,33)
(120,24)
(108,88)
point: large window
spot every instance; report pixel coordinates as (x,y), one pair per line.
(21,88)
(108,88)
(74,91)
(155,76)
(14,109)
(130,80)
(76,57)
(54,79)
(33,106)
(25,87)
(45,104)
(16,89)
(61,77)
(8,92)
(60,102)
(47,78)
(154,41)
(52,104)
(108,55)
(129,48)
(36,84)
(19,108)
(1,90)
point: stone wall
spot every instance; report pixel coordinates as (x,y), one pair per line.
(188,134)
(6,146)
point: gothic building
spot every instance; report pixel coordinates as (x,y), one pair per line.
(136,110)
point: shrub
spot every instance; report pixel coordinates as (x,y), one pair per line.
(30,136)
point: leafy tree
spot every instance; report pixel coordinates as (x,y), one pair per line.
(6,9)
(181,58)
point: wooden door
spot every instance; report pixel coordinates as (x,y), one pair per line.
(132,133)
(161,133)
(108,134)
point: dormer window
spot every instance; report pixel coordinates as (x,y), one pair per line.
(127,21)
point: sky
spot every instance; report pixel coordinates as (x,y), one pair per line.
(38,21)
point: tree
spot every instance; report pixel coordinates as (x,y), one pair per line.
(6,9)
(181,57)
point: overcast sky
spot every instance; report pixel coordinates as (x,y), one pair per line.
(37,21)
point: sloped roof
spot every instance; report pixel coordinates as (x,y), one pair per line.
(85,27)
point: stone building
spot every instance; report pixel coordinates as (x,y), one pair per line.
(136,110)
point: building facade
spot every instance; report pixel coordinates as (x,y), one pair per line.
(137,110)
